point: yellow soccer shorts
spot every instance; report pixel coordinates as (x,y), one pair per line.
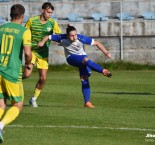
(11,91)
(41,63)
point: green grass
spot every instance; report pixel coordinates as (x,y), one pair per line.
(118,65)
(127,100)
(122,65)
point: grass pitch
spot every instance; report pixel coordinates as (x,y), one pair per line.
(124,113)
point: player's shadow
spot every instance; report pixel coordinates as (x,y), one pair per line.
(126,93)
(53,106)
(148,107)
(131,93)
(41,105)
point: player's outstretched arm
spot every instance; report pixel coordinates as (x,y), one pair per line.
(54,37)
(102,48)
(41,43)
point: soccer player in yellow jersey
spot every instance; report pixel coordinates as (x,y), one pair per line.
(40,27)
(13,39)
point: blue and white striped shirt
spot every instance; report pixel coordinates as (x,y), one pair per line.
(76,47)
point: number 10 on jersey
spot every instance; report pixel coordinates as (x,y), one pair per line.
(6,49)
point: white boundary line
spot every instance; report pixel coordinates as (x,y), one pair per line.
(84,127)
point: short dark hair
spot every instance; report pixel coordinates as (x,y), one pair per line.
(69,29)
(17,11)
(47,5)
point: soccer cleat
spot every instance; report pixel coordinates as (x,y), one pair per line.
(107,73)
(1,136)
(89,105)
(33,103)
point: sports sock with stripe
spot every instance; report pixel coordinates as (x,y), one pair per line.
(86,90)
(94,66)
(10,115)
(1,112)
(36,93)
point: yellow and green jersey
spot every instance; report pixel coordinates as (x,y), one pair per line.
(13,37)
(39,31)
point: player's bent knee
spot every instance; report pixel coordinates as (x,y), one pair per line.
(19,105)
(42,79)
(85,60)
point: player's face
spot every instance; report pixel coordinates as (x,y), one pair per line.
(72,36)
(46,13)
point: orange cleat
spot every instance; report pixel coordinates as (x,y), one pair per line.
(89,105)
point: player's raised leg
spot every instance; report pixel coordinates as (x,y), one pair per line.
(95,67)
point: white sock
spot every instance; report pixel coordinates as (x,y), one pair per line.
(1,125)
(34,98)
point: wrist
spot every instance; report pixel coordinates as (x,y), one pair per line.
(106,53)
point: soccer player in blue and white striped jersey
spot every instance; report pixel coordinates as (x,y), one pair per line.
(73,44)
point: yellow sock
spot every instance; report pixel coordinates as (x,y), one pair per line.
(36,93)
(1,112)
(10,115)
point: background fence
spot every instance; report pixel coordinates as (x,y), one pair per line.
(127,29)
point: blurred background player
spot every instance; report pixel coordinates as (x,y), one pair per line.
(40,26)
(73,44)
(13,38)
